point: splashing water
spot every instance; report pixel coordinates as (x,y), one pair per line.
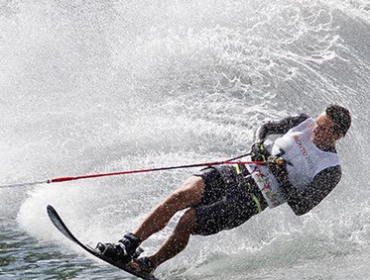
(109,85)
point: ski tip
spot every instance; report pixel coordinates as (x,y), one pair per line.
(50,210)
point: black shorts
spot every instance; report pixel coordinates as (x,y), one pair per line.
(227,202)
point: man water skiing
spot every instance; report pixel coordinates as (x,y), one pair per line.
(302,168)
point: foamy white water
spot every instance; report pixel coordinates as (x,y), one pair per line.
(108,86)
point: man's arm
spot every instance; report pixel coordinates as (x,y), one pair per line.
(278,127)
(302,202)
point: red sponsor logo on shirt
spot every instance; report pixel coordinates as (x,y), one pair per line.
(300,146)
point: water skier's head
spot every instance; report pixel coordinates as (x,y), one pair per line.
(331,125)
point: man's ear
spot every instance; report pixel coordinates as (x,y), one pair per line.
(338,136)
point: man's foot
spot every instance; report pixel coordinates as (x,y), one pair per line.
(143,264)
(124,250)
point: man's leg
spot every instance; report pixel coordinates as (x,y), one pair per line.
(177,241)
(189,194)
(219,211)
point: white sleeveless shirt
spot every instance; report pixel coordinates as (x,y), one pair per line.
(307,161)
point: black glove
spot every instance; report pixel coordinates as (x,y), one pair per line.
(278,166)
(259,152)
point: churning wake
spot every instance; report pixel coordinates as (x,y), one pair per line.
(107,86)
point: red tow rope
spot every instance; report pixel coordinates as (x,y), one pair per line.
(65,179)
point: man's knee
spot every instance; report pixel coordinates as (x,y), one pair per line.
(189,193)
(193,184)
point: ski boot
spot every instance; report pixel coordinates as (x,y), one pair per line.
(123,251)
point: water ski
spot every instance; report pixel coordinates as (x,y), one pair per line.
(60,225)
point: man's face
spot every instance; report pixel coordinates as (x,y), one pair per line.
(323,131)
